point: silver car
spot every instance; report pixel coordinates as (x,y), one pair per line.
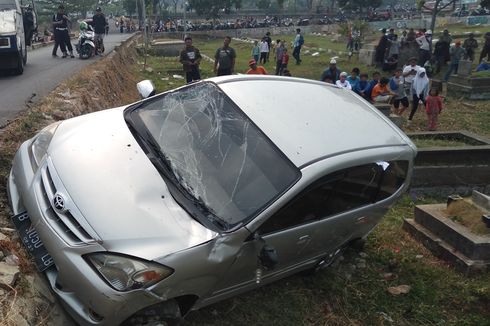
(143,213)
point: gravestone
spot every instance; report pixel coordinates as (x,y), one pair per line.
(464,68)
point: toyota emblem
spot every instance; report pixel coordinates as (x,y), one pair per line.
(59,203)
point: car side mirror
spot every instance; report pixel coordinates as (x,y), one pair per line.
(145,88)
(268,257)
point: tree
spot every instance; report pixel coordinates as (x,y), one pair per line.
(263,4)
(436,9)
(129,6)
(485,3)
(213,8)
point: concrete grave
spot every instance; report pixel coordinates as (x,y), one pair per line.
(467,250)
(460,167)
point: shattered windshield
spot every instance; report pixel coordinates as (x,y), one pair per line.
(216,153)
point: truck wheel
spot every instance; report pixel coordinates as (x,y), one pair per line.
(20,64)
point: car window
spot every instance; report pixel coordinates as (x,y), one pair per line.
(340,192)
(215,152)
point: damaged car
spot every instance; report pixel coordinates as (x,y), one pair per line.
(145,212)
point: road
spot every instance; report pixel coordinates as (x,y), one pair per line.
(41,75)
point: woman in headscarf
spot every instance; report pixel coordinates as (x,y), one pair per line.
(379,56)
(420,89)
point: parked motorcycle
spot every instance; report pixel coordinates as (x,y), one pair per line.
(86,41)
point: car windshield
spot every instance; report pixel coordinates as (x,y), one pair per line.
(7,5)
(216,154)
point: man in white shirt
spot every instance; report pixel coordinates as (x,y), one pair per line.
(425,46)
(409,73)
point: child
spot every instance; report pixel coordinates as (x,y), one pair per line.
(285,60)
(342,82)
(354,79)
(433,107)
(397,86)
(362,86)
(256,51)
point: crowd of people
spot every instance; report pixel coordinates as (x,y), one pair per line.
(407,84)
(430,56)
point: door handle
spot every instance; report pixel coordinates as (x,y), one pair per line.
(304,239)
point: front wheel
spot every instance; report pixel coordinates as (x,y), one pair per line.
(85,51)
(166,313)
(21,61)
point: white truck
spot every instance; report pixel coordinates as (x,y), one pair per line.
(17,24)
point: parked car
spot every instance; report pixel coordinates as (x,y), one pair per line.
(189,197)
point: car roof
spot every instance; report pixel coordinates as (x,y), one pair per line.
(310,120)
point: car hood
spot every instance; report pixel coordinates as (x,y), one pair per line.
(7,21)
(117,189)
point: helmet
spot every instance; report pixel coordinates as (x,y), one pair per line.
(83,26)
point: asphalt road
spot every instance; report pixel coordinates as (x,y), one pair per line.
(41,75)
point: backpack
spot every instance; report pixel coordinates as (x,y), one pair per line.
(301,40)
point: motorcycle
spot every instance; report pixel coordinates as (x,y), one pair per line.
(86,41)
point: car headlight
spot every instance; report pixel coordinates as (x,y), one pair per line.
(125,274)
(40,144)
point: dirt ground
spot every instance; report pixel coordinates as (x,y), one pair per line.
(107,83)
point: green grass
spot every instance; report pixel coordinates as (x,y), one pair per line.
(424,143)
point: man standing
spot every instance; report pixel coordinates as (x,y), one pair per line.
(297,44)
(99,23)
(61,35)
(278,55)
(409,73)
(425,47)
(485,52)
(268,39)
(457,53)
(190,58)
(254,69)
(470,45)
(224,59)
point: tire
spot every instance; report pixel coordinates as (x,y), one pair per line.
(20,64)
(85,51)
(166,313)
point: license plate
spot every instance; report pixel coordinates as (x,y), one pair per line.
(32,242)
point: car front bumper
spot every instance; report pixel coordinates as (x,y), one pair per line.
(88,298)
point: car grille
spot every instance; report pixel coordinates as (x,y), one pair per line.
(65,223)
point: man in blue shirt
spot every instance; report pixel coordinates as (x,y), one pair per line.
(297,44)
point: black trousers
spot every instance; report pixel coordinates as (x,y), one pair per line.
(62,39)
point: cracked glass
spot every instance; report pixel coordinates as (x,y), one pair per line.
(216,153)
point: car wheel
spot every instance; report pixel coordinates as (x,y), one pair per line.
(20,64)
(161,314)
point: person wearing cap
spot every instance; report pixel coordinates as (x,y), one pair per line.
(61,35)
(470,45)
(254,69)
(224,59)
(409,73)
(331,74)
(457,53)
(425,47)
(190,58)
(342,82)
(99,22)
